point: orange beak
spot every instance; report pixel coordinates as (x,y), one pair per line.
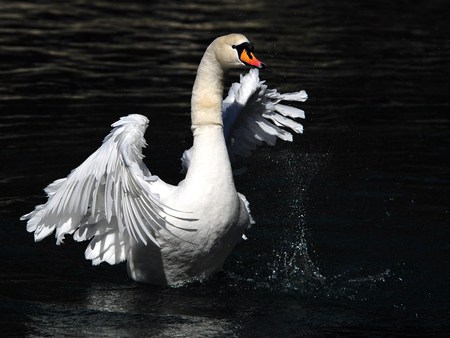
(249,59)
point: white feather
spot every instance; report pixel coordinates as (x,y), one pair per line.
(105,198)
(253,105)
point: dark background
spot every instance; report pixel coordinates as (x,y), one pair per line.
(352,233)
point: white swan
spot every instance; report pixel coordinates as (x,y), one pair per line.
(172,234)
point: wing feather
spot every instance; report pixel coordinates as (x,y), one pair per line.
(107,199)
(254,105)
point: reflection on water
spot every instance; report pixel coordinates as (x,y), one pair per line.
(352,217)
(101,313)
(160,320)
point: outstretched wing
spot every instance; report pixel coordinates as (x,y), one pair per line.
(108,198)
(253,114)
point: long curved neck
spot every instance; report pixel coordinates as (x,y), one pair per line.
(209,161)
(206,102)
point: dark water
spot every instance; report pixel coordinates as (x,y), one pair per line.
(352,234)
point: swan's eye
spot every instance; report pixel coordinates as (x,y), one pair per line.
(245,55)
(244,46)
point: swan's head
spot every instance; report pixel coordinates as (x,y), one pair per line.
(235,51)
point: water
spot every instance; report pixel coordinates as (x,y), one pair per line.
(352,218)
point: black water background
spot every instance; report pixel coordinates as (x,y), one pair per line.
(352,218)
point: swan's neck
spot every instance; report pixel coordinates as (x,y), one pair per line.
(206,102)
(209,172)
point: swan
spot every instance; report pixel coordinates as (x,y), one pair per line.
(167,234)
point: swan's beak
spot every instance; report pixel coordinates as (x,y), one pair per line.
(250,59)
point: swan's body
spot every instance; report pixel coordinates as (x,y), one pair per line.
(171,234)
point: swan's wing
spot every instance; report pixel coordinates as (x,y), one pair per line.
(253,114)
(108,198)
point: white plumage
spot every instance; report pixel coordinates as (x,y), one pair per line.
(172,234)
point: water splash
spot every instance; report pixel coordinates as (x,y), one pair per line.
(282,259)
(292,266)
